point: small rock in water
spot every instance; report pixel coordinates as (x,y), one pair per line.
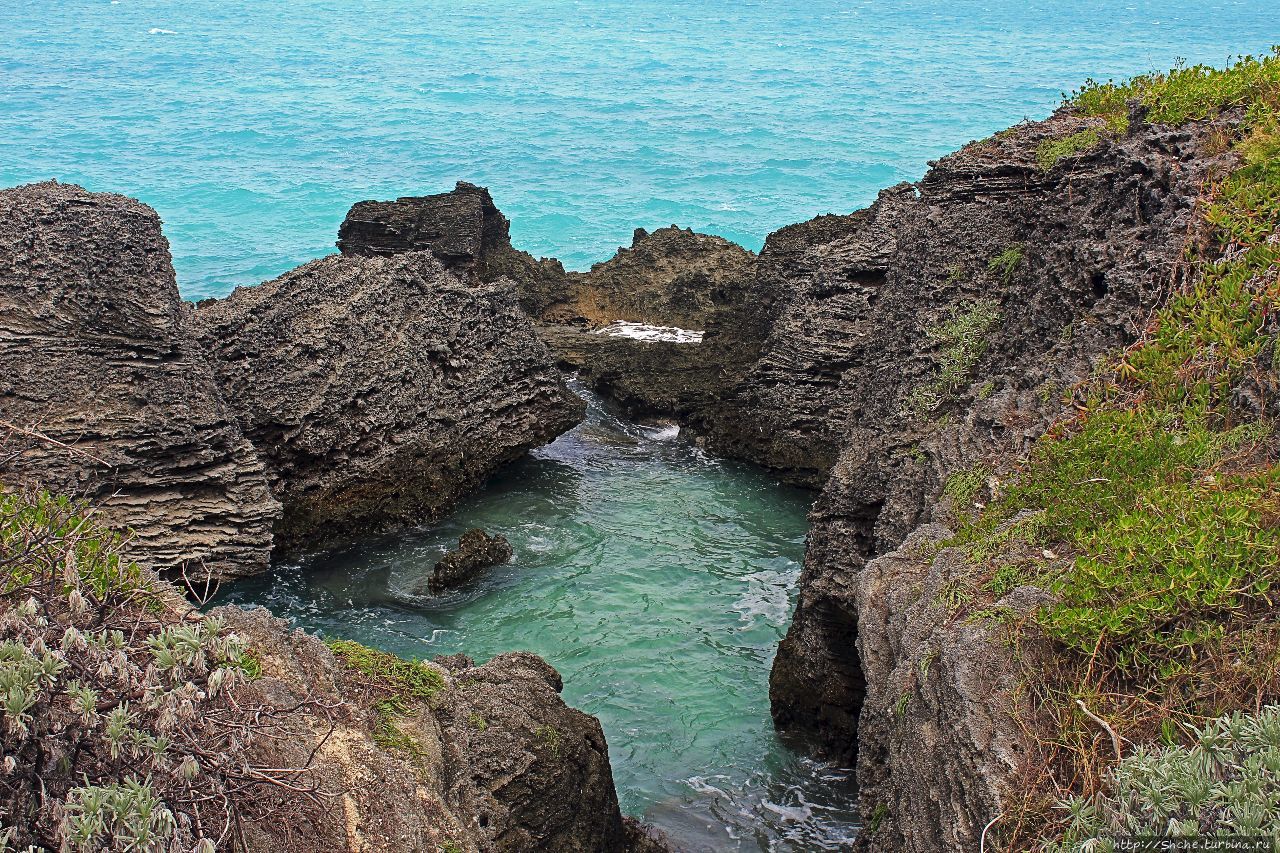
(476,551)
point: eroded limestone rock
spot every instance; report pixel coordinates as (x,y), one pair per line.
(379,390)
(103,393)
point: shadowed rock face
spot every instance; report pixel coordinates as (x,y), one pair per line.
(492,761)
(95,356)
(1047,272)
(671,277)
(379,390)
(464,229)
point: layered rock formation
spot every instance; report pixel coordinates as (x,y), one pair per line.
(940,331)
(491,760)
(379,390)
(103,393)
(670,278)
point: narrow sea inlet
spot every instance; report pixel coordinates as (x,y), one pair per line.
(658,581)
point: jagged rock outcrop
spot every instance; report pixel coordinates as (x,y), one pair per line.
(476,552)
(464,229)
(103,393)
(669,278)
(493,760)
(940,329)
(788,411)
(538,771)
(379,390)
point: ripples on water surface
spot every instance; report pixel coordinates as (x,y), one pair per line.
(253,126)
(658,581)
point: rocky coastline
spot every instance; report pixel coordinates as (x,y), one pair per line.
(879,357)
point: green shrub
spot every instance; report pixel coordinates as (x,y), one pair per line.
(1168,546)
(1051,151)
(1187,92)
(963,486)
(1006,263)
(116,725)
(1225,784)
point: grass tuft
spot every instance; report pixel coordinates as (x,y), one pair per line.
(407,678)
(963,340)
(1052,151)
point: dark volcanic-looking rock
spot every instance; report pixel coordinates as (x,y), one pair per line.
(671,277)
(379,390)
(464,229)
(788,413)
(476,551)
(95,357)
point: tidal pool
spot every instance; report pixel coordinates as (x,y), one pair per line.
(658,581)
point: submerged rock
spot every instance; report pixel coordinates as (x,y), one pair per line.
(476,552)
(104,394)
(380,390)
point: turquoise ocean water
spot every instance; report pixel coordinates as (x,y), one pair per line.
(252,125)
(656,579)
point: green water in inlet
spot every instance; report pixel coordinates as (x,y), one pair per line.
(658,581)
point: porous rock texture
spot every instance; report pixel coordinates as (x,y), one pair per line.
(670,277)
(940,749)
(381,389)
(476,552)
(493,761)
(464,229)
(1066,265)
(105,396)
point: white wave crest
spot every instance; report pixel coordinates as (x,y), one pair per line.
(663,432)
(646,332)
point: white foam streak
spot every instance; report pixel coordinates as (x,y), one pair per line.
(646,332)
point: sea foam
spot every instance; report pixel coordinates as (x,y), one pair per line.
(646,332)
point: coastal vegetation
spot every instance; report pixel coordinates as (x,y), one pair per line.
(116,724)
(1152,515)
(962,340)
